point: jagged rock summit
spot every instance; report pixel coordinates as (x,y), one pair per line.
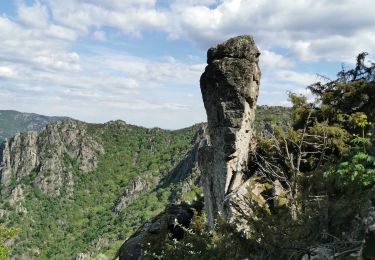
(44,154)
(230,87)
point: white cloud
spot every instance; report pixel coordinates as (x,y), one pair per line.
(7,72)
(61,33)
(35,15)
(311,30)
(301,79)
(115,4)
(39,45)
(100,35)
(42,68)
(128,16)
(271,59)
(104,83)
(307,30)
(149,72)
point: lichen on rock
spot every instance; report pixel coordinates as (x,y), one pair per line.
(230,87)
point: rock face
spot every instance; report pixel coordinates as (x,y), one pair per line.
(136,187)
(230,86)
(367,251)
(18,155)
(157,229)
(46,155)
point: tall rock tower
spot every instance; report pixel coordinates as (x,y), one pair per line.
(230,87)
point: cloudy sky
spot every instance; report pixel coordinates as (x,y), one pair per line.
(140,60)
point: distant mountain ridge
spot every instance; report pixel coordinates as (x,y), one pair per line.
(12,122)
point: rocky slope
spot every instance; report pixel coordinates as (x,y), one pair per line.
(168,223)
(12,122)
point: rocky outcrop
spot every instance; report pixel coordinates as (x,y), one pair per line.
(184,174)
(167,223)
(182,170)
(368,248)
(230,86)
(367,251)
(46,156)
(18,155)
(137,186)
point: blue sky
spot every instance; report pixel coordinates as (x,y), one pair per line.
(140,60)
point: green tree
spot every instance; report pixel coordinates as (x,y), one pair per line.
(359,166)
(5,233)
(353,91)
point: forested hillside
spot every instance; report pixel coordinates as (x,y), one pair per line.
(12,122)
(84,188)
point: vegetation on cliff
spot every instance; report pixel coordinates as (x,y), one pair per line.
(5,234)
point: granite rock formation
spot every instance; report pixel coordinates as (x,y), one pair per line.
(167,223)
(229,86)
(367,251)
(43,154)
(136,187)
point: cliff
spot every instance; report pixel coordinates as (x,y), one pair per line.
(44,154)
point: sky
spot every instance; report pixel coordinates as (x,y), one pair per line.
(141,60)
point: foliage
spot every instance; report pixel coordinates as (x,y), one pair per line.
(268,115)
(222,242)
(5,233)
(353,91)
(359,166)
(321,157)
(334,165)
